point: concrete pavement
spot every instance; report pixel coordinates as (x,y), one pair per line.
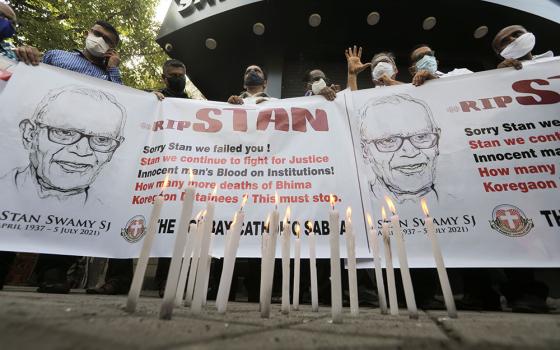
(30,320)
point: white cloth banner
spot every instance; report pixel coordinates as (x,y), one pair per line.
(83,159)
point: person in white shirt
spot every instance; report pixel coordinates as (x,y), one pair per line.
(515,44)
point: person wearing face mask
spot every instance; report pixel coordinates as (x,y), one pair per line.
(383,68)
(254,83)
(515,44)
(175,78)
(98,59)
(8,24)
(120,271)
(316,84)
(7,30)
(424,66)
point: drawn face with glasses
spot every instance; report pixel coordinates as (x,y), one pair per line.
(400,143)
(72,137)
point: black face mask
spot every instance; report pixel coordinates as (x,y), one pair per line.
(176,84)
(253,79)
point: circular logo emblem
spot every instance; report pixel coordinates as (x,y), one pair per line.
(134,229)
(511,221)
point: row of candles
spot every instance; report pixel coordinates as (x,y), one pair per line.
(192,249)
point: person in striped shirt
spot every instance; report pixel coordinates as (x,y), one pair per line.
(98,59)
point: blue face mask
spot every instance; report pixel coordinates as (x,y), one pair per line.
(428,63)
(6,29)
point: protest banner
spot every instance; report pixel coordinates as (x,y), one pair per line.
(83,159)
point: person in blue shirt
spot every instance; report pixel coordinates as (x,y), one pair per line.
(7,30)
(98,58)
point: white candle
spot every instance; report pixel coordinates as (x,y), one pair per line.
(352,274)
(140,272)
(393,303)
(297,254)
(403,262)
(336,288)
(374,246)
(186,263)
(264,260)
(438,257)
(168,302)
(195,259)
(313,270)
(200,283)
(207,271)
(286,233)
(270,259)
(230,253)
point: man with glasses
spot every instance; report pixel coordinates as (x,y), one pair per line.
(67,147)
(71,137)
(402,150)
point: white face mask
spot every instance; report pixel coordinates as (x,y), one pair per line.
(317,86)
(382,68)
(96,45)
(519,47)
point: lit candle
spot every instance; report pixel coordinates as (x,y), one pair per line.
(393,304)
(374,246)
(186,263)
(270,257)
(286,233)
(195,259)
(234,235)
(168,302)
(336,288)
(313,269)
(200,291)
(352,274)
(297,254)
(140,272)
(442,272)
(403,261)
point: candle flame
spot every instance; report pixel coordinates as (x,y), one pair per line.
(383,214)
(349,212)
(287,215)
(165,183)
(297,230)
(425,207)
(245,197)
(370,224)
(198,216)
(390,205)
(267,222)
(332,200)
(203,214)
(191,176)
(276,199)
